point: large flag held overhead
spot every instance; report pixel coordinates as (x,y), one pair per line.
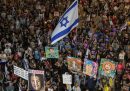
(67,22)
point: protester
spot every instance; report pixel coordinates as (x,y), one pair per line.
(25,30)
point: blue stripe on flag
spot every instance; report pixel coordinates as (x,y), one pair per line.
(68,10)
(60,34)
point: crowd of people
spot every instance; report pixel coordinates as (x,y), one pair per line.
(103,32)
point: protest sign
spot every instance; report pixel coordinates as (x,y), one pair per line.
(74,64)
(52,52)
(67,79)
(90,68)
(21,72)
(107,67)
(36,80)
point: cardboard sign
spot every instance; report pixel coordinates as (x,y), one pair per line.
(90,68)
(74,64)
(21,72)
(107,67)
(67,79)
(52,52)
(36,80)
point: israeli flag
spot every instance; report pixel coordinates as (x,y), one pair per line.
(68,21)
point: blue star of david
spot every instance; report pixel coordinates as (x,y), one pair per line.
(64,21)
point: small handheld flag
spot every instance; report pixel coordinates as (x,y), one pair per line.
(67,22)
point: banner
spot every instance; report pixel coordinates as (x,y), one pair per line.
(74,64)
(52,52)
(21,72)
(36,80)
(67,79)
(90,68)
(107,67)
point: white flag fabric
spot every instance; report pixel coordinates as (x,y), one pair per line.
(68,21)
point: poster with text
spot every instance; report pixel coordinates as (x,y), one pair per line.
(21,72)
(52,52)
(74,64)
(90,68)
(36,80)
(107,67)
(67,79)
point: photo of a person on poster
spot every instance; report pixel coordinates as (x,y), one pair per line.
(36,82)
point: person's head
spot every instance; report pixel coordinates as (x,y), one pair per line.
(107,67)
(51,50)
(36,81)
(122,51)
(120,62)
(126,36)
(110,48)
